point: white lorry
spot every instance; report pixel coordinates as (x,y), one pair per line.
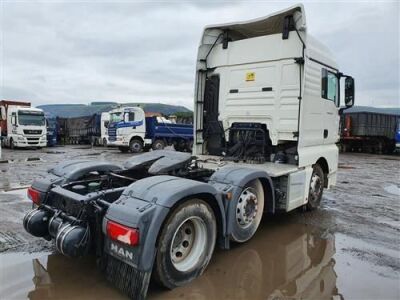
(104,122)
(266,126)
(22,125)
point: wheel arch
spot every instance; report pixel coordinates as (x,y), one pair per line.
(323,163)
(138,137)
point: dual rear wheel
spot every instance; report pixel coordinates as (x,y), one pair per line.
(188,237)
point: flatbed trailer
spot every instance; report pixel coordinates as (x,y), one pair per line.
(265,134)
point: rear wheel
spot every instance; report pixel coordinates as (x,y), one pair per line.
(186,244)
(136,145)
(317,184)
(158,144)
(180,145)
(104,142)
(189,146)
(249,209)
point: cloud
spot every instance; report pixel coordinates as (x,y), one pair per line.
(78,52)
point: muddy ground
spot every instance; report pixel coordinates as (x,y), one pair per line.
(348,249)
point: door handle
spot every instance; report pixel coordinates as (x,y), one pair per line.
(325,133)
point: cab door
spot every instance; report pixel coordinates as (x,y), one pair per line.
(330,96)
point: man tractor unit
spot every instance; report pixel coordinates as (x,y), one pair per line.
(266,125)
(21,125)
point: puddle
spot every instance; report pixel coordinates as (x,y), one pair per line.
(393,189)
(283,261)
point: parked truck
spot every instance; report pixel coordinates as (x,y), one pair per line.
(22,125)
(52,130)
(266,127)
(81,130)
(370,130)
(104,123)
(131,130)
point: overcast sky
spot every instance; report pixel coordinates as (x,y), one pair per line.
(145,51)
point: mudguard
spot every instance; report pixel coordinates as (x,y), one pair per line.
(146,203)
(232,179)
(70,171)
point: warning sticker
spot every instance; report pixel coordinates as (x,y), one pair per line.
(250,76)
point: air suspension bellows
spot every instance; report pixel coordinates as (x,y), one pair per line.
(36,222)
(73,240)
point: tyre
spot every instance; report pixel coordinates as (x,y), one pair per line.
(249,208)
(123,149)
(136,145)
(189,146)
(180,145)
(158,144)
(12,146)
(186,244)
(104,142)
(317,184)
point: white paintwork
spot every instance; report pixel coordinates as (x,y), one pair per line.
(15,132)
(125,134)
(257,47)
(104,119)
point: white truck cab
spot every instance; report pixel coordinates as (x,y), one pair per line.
(267,96)
(127,128)
(104,123)
(24,126)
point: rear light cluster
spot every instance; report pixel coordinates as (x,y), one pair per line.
(123,234)
(34,195)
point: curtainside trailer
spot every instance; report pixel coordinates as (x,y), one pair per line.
(266,125)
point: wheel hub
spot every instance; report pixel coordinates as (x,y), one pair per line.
(188,244)
(183,242)
(247,208)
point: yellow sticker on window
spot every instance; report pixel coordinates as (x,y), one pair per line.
(250,76)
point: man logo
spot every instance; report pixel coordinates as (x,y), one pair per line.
(121,251)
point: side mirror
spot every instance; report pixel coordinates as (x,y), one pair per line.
(349,92)
(13,120)
(106,123)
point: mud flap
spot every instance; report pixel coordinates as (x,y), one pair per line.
(127,279)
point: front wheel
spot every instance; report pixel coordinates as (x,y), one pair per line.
(317,184)
(186,244)
(136,145)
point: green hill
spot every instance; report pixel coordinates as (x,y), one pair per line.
(80,110)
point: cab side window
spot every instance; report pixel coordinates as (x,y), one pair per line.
(330,86)
(131,116)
